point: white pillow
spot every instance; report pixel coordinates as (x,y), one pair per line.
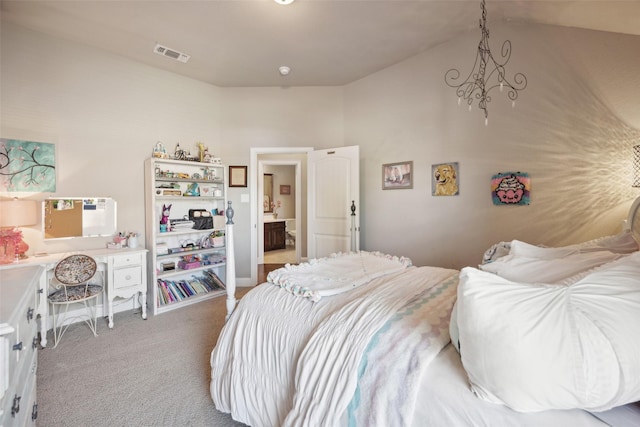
(536,347)
(623,243)
(547,269)
(454,334)
(528,250)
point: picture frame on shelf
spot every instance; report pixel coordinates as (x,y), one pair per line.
(237,176)
(397,176)
(285,189)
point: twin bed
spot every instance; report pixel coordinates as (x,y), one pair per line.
(367,339)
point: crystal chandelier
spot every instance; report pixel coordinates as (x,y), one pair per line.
(487,74)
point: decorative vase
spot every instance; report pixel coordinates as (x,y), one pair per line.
(7,251)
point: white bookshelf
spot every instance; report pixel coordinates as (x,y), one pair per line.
(170,286)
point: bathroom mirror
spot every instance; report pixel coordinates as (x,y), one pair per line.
(268,192)
(66,217)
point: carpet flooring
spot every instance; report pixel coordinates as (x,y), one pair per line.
(152,372)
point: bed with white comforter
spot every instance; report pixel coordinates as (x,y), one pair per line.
(363,339)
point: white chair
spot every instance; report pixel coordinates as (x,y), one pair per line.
(72,280)
(291,232)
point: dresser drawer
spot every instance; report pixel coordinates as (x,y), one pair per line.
(127,260)
(125,277)
(21,411)
(27,329)
(8,360)
(20,396)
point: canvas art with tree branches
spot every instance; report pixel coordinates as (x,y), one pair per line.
(27,166)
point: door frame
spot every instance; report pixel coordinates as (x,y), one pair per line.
(255,180)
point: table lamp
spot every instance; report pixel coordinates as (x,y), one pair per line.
(18,213)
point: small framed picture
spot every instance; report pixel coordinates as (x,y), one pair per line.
(285,189)
(511,188)
(444,179)
(237,176)
(396,176)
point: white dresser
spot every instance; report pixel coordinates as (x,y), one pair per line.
(20,294)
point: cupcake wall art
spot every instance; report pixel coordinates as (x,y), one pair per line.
(511,188)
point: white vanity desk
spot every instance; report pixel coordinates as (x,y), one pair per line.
(124,272)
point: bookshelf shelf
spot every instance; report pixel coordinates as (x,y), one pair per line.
(183,198)
(191,300)
(199,251)
(169,286)
(181,272)
(204,181)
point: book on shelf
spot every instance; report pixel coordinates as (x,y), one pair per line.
(213,278)
(171,291)
(187,288)
(174,289)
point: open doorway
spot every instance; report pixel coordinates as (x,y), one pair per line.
(326,195)
(279,212)
(287,167)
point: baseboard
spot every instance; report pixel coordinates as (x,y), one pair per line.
(244,282)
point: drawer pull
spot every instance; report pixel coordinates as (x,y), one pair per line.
(128,277)
(16,406)
(30,314)
(34,412)
(18,347)
(34,344)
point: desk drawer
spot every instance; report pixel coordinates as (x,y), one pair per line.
(125,277)
(126,260)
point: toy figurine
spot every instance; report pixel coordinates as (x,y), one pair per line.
(192,190)
(201,150)
(179,153)
(206,157)
(159,151)
(164,221)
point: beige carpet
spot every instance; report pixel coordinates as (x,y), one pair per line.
(151,372)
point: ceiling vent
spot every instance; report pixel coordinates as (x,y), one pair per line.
(170,53)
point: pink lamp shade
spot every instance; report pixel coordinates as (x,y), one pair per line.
(16,213)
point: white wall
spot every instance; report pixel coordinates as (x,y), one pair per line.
(105,114)
(274,117)
(572,130)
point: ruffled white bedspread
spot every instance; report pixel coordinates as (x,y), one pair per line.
(280,361)
(335,274)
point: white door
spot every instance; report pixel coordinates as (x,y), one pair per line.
(333,179)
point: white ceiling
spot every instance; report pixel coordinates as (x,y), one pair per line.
(238,43)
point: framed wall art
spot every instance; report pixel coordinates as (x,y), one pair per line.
(397,176)
(285,189)
(237,176)
(444,179)
(27,166)
(511,188)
